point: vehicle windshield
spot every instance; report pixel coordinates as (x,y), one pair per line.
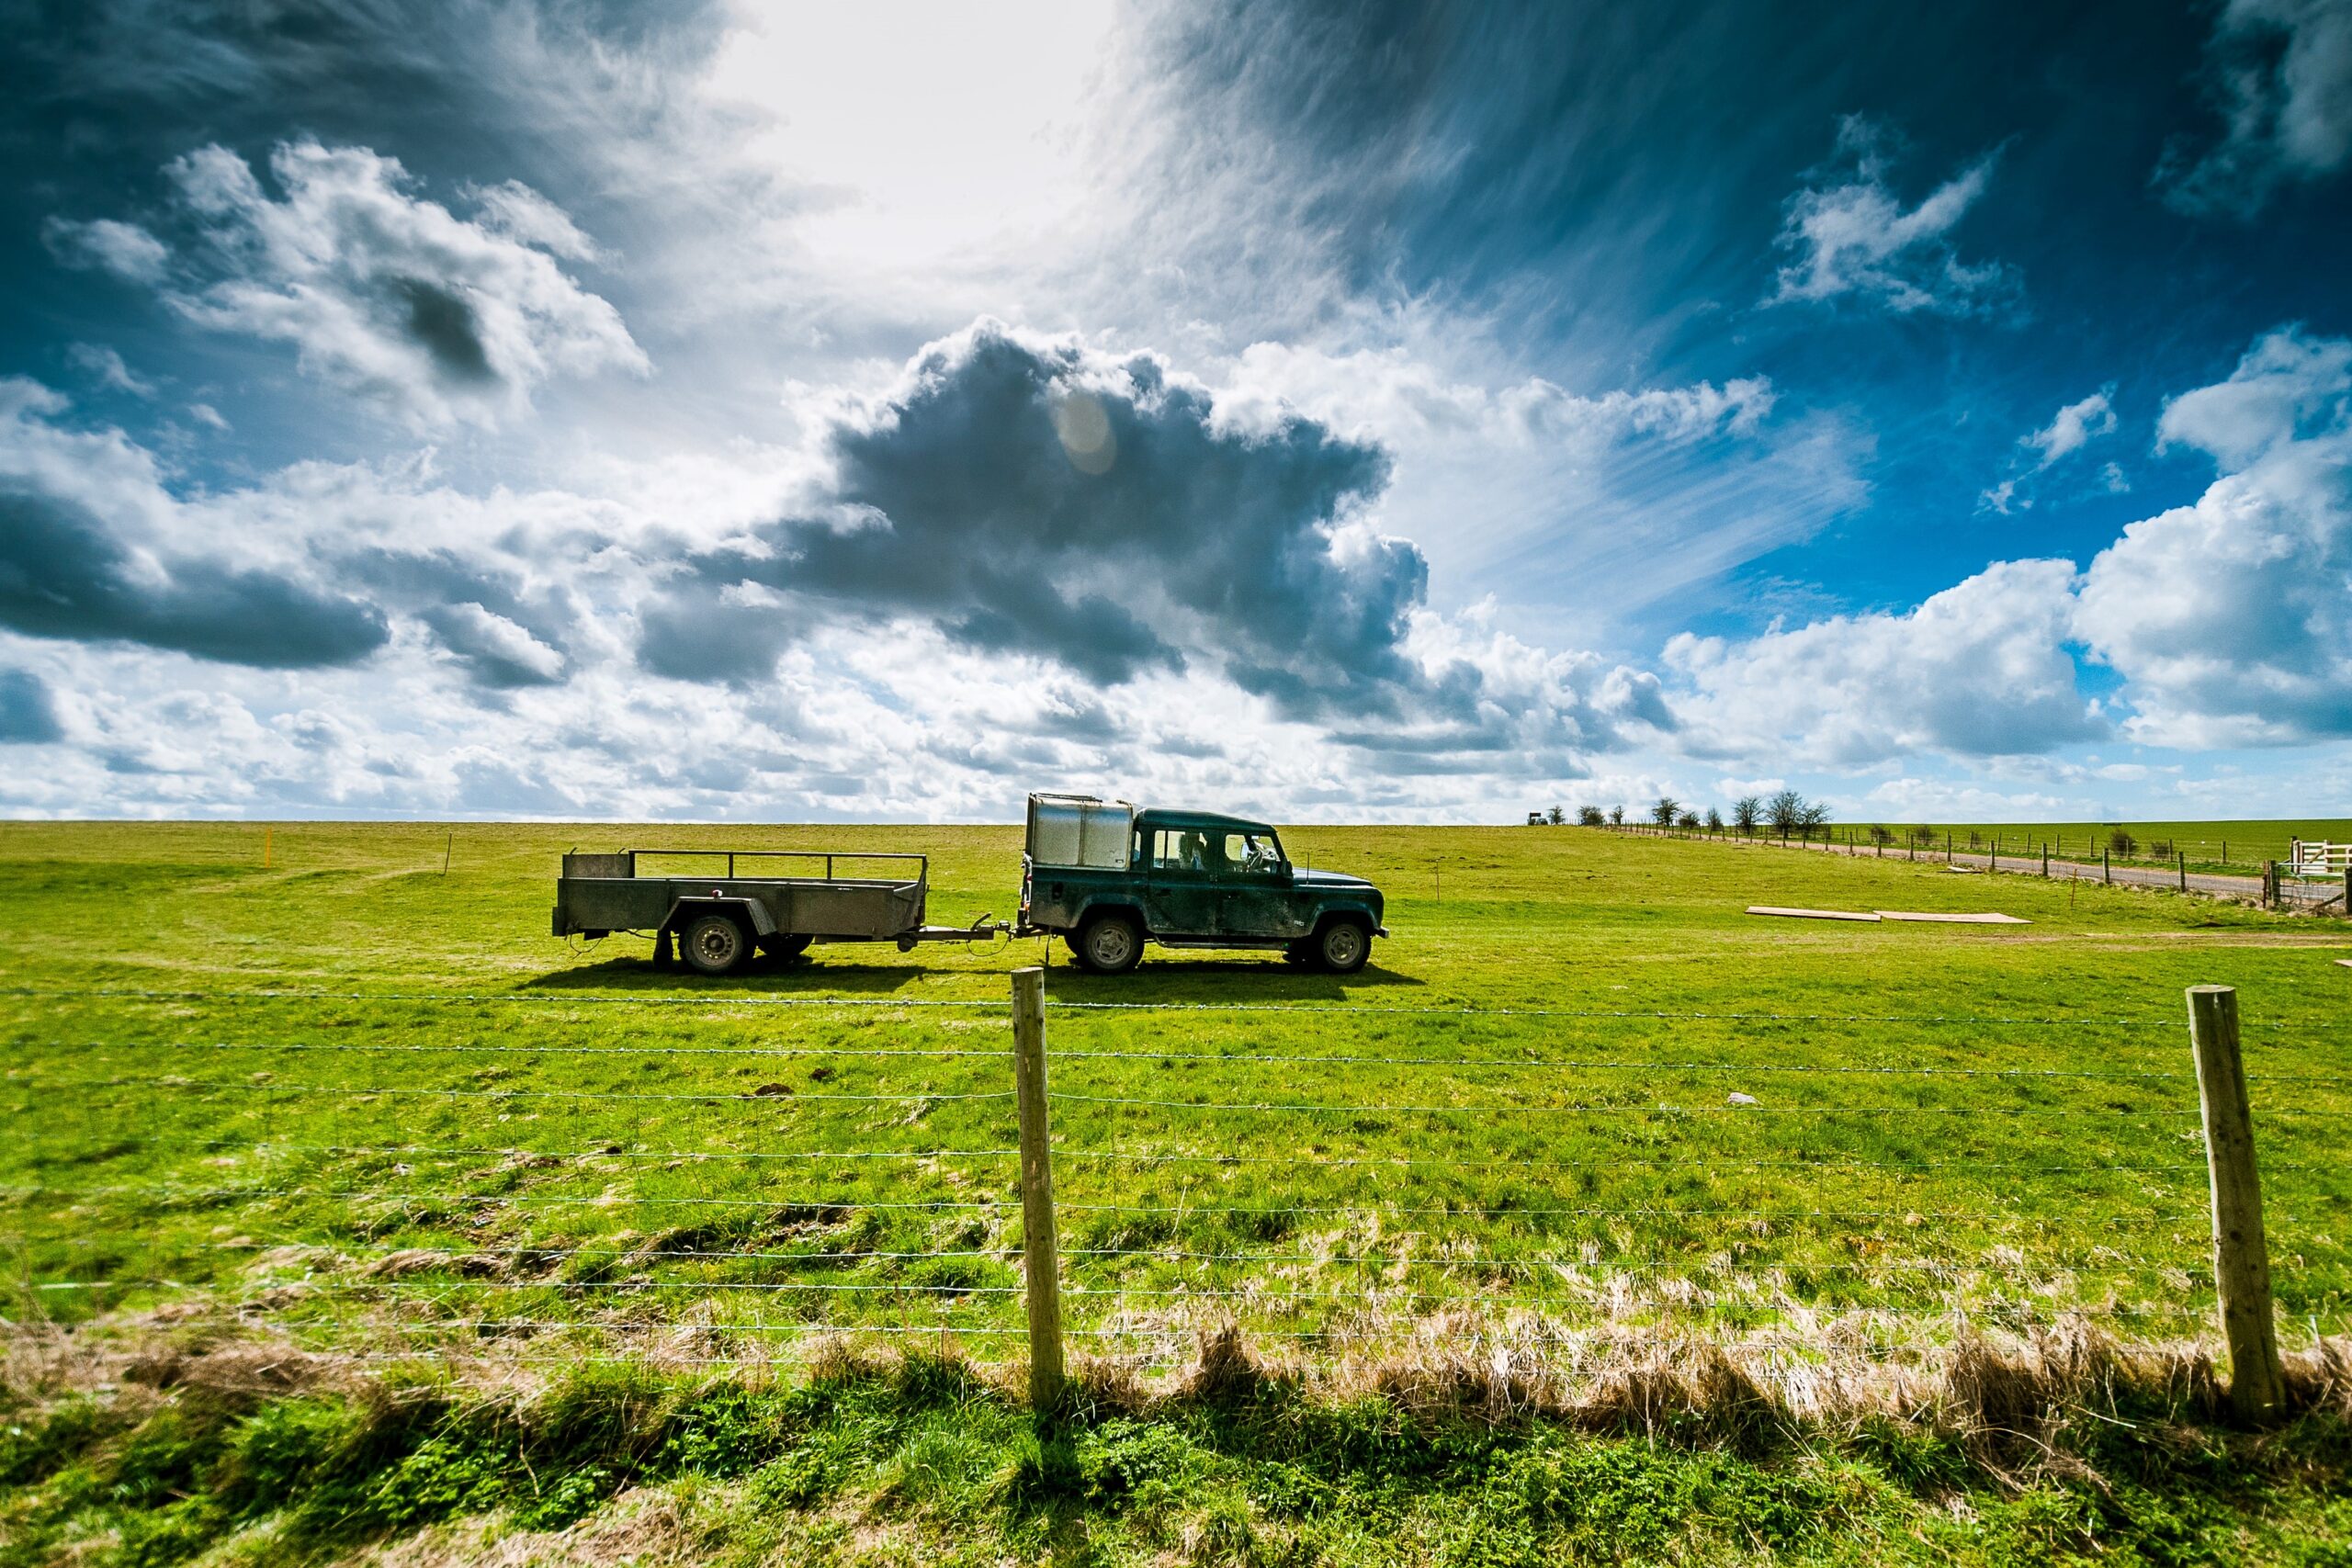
(1208,852)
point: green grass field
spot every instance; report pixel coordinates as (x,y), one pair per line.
(347,1105)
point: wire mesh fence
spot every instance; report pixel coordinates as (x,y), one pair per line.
(399,1175)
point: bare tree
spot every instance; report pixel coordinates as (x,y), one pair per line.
(1715,821)
(1616,816)
(1881,833)
(1666,810)
(1746,813)
(1812,817)
(1785,812)
(1556,816)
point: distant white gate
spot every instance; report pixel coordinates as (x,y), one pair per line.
(2317,857)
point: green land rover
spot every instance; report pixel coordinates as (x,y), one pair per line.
(1108,877)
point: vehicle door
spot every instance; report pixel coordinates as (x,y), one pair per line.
(1179,882)
(1257,901)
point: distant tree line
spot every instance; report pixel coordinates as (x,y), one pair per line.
(1786,814)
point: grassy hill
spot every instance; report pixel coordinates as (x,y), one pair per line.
(344,1204)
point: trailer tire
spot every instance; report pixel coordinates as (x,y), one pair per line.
(784,946)
(1342,946)
(1109,944)
(715,944)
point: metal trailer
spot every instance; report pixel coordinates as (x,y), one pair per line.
(718,919)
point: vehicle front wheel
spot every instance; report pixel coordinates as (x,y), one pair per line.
(1342,946)
(715,944)
(1110,944)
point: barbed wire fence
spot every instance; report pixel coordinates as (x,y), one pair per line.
(409,1248)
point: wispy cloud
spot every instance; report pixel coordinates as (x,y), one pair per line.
(1852,236)
(2279,74)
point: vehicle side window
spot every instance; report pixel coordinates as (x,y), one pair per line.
(1181,849)
(1252,855)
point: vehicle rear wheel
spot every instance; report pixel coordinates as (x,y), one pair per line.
(1110,944)
(1342,946)
(715,944)
(784,946)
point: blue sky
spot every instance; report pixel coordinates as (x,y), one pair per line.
(561,409)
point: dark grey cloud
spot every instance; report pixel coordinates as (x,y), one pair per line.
(2278,74)
(501,635)
(27,714)
(64,575)
(1032,496)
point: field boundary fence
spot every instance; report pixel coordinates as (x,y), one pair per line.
(1182,1208)
(2317,877)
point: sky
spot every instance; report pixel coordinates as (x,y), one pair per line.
(720,410)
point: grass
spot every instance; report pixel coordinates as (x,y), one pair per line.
(443,1157)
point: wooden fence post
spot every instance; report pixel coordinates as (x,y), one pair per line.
(1040,1251)
(2106,869)
(2045,861)
(2181,858)
(2240,1257)
(2270,885)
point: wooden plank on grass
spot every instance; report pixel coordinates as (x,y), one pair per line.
(1952,920)
(1811,914)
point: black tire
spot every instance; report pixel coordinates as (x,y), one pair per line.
(1301,953)
(1341,947)
(784,946)
(1109,944)
(715,944)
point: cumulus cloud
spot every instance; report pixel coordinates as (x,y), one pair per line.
(87,553)
(2279,72)
(2230,618)
(1977,670)
(1030,494)
(1853,236)
(432,317)
(2073,427)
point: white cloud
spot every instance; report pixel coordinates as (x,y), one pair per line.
(2073,427)
(124,249)
(105,366)
(1977,670)
(2280,74)
(1855,237)
(430,317)
(2230,618)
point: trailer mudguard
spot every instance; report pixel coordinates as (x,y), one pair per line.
(755,913)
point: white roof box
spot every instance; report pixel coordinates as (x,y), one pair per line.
(1079,831)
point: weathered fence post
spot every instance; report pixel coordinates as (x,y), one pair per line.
(1040,1252)
(2106,869)
(2045,860)
(2240,1257)
(2181,858)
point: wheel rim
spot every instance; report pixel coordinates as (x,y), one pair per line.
(716,943)
(1110,944)
(1343,945)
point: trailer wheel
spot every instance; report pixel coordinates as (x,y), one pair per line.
(783,944)
(1342,946)
(1109,944)
(715,944)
